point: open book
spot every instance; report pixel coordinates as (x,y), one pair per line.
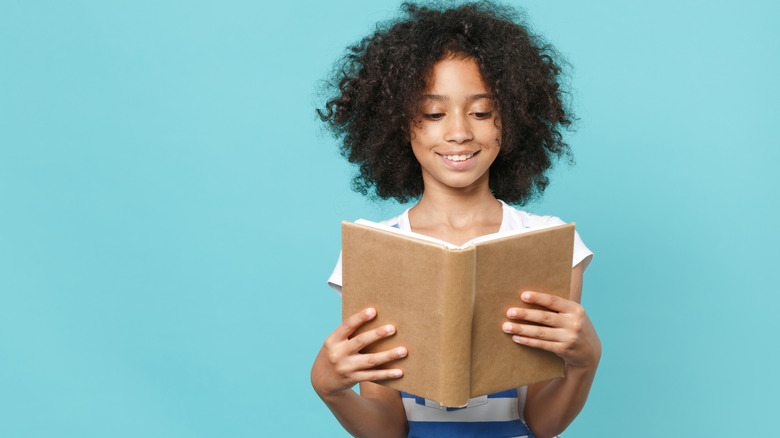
(448,304)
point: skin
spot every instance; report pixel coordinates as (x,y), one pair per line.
(377,410)
(568,332)
(457,117)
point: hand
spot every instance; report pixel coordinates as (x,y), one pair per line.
(340,365)
(566,330)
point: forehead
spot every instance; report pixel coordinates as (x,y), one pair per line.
(455,77)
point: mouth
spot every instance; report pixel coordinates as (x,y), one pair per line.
(460,157)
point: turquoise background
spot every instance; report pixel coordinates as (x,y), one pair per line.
(170,210)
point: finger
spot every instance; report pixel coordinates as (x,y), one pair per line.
(549,301)
(552,319)
(356,363)
(372,375)
(349,325)
(368,361)
(360,341)
(534,331)
(551,346)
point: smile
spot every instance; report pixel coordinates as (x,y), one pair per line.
(458,157)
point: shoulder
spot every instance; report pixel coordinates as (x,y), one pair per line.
(518,219)
(335,279)
(392,222)
(515,219)
(401,221)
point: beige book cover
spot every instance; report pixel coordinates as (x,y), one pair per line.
(448,304)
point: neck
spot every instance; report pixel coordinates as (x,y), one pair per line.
(456,216)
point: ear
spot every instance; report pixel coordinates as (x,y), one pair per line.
(410,134)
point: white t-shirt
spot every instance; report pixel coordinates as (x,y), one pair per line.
(512,220)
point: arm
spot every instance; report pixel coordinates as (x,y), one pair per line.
(377,411)
(566,331)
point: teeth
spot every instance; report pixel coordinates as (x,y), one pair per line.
(458,157)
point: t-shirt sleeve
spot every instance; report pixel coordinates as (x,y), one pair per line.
(335,278)
(581,253)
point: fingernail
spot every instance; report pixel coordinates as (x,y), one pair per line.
(401,351)
(517,339)
(396,373)
(511,313)
(370,311)
(389,329)
(526,296)
(507,327)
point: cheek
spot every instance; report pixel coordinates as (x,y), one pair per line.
(415,144)
(421,136)
(491,135)
(497,134)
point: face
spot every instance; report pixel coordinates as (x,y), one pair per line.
(455,134)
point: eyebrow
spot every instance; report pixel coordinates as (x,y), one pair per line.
(442,98)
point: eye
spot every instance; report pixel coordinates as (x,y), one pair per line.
(433,116)
(486,115)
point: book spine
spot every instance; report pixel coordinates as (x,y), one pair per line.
(457,308)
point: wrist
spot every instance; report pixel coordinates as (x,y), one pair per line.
(323,379)
(584,369)
(335,398)
(325,391)
(588,362)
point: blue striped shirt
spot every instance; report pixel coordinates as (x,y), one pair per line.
(494,415)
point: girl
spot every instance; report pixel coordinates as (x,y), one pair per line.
(457,108)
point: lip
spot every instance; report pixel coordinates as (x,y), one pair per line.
(458,164)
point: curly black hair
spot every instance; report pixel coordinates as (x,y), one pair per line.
(377,85)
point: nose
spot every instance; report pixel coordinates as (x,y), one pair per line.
(458,129)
